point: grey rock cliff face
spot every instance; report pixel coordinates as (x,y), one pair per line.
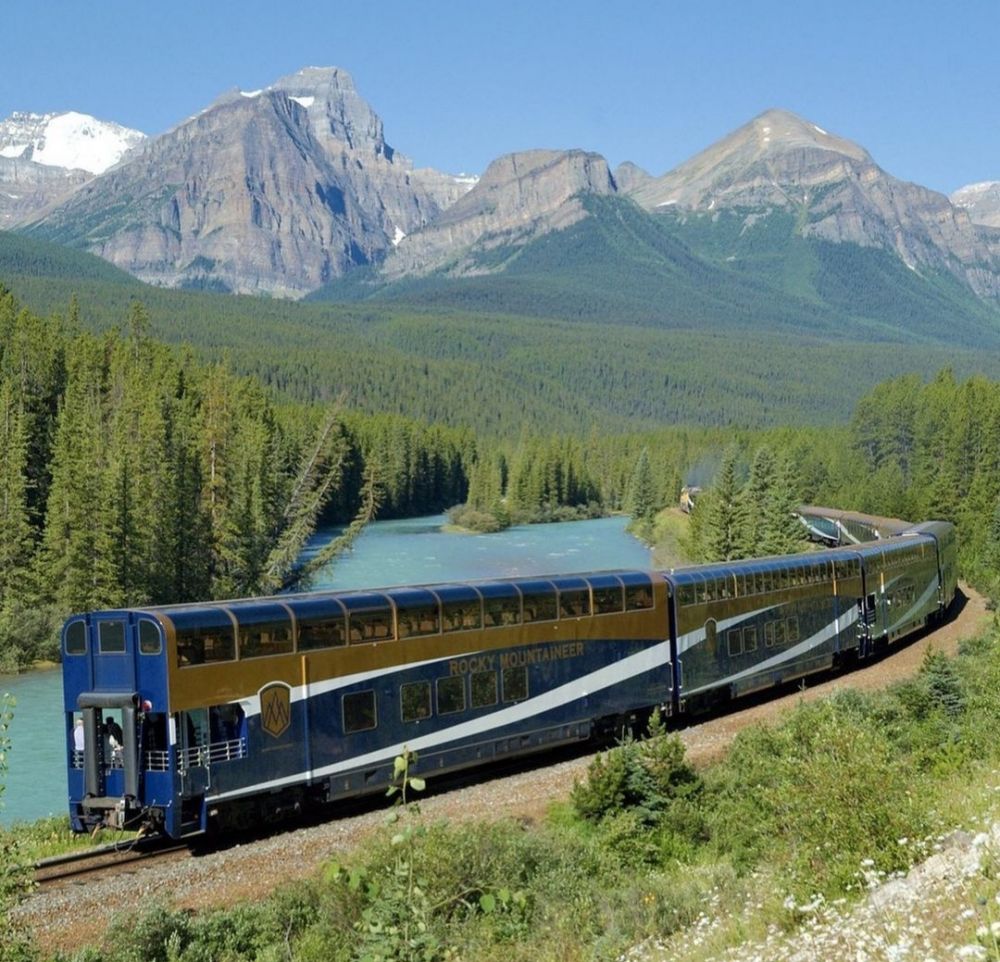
(779,160)
(277,192)
(980,201)
(630,177)
(518,198)
(26,188)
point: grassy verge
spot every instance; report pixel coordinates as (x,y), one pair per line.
(670,532)
(688,864)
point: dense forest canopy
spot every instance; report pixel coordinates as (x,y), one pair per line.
(134,472)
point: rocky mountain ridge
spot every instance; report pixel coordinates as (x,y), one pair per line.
(981,201)
(273,191)
(45,157)
(284,189)
(518,198)
(779,161)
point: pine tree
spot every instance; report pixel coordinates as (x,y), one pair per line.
(641,502)
(723,514)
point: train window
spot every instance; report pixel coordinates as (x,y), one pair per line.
(780,633)
(501,611)
(415,701)
(735,640)
(368,626)
(451,694)
(76,638)
(461,615)
(750,638)
(685,594)
(414,622)
(607,600)
(540,607)
(758,582)
(573,603)
(203,635)
(150,641)
(514,682)
(359,712)
(700,593)
(322,633)
(111,637)
(769,635)
(265,638)
(638,597)
(710,633)
(484,688)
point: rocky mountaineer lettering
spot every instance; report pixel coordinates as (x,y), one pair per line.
(536,656)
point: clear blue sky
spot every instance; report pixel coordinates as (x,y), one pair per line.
(456,84)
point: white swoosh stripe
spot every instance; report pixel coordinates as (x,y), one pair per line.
(656,656)
(813,641)
(919,605)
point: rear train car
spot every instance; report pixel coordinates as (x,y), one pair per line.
(235,711)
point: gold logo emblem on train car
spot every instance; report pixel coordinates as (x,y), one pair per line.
(275,708)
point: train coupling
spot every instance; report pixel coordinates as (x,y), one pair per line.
(114,813)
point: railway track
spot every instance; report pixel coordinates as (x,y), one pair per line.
(76,868)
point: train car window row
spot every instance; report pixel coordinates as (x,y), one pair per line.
(741,583)
(903,594)
(497,605)
(450,697)
(782,631)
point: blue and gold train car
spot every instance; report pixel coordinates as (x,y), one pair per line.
(237,710)
(180,718)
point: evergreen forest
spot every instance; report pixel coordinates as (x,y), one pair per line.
(163,446)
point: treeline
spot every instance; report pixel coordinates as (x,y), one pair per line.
(131,474)
(561,478)
(499,374)
(932,450)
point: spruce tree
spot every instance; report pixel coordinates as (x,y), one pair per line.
(641,503)
(722,532)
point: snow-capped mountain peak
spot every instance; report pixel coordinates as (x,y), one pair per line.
(70,140)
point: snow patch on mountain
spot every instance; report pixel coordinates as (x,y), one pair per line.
(70,140)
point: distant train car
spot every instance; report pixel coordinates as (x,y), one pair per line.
(747,625)
(188,717)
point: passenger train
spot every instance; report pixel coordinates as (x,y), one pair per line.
(185,718)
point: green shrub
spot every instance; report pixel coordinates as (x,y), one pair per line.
(818,795)
(651,778)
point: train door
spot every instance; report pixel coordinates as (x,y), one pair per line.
(192,751)
(114,648)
